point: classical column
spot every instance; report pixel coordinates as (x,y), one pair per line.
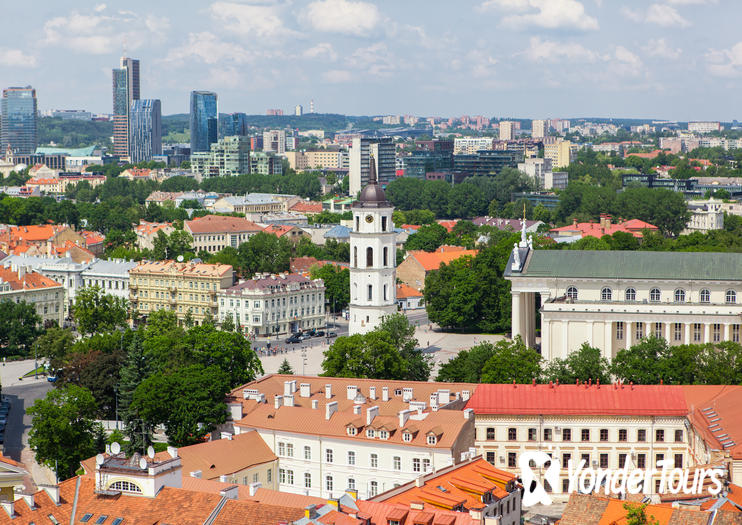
(525,317)
(565,340)
(668,332)
(608,339)
(590,332)
(515,322)
(706,333)
(531,315)
(687,334)
(727,332)
(545,339)
(628,334)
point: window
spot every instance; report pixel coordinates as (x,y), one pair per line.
(572,293)
(426,465)
(604,434)
(397,463)
(678,461)
(705,296)
(490,433)
(125,486)
(369,257)
(658,458)
(374,461)
(352,431)
(641,435)
(307,480)
(432,439)
(566,458)
(351,457)
(735,333)
(370,292)
(731,297)
(658,329)
(86,518)
(659,435)
(370,432)
(328,483)
(586,459)
(512,434)
(619,330)
(605,294)
(604,461)
(308,451)
(565,485)
(415,465)
(385,294)
(386,256)
(567,434)
(373,488)
(677,331)
(512,459)
(716,332)
(290,477)
(654,295)
(630,294)
(623,434)
(351,484)
(641,461)
(328,455)
(355,256)
(547,434)
(621,460)
(290,450)
(281,449)
(697,327)
(639,331)
(269,475)
(406,437)
(358,223)
(532,434)
(585,434)
(491,458)
(679,295)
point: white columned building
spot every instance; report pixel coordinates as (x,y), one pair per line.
(373,256)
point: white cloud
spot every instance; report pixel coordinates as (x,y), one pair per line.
(549,14)
(627,63)
(250,20)
(207,48)
(658,47)
(659,14)
(482,64)
(16,58)
(100,7)
(343,16)
(375,60)
(725,62)
(323,50)
(337,76)
(547,50)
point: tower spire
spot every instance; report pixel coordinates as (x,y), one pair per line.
(372,170)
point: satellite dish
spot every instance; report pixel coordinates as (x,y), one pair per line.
(143,464)
(115,447)
(180,258)
(151,452)
(99,459)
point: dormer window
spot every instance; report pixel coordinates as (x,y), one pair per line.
(406,437)
(370,432)
(432,440)
(383,434)
(352,431)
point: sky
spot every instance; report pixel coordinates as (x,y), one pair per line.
(663,59)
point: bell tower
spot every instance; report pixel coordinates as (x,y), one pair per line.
(373,258)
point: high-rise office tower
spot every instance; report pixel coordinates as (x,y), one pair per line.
(361,151)
(233,124)
(19,120)
(125,91)
(145,130)
(204,123)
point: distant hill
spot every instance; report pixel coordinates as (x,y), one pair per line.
(74,133)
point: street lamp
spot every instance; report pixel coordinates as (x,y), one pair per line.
(116,395)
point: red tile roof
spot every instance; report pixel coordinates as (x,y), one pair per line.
(405,291)
(379,513)
(221,224)
(594,229)
(307,207)
(226,456)
(27,281)
(445,254)
(707,402)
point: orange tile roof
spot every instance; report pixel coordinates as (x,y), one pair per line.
(379,511)
(307,207)
(594,229)
(226,456)
(445,254)
(448,225)
(405,291)
(221,224)
(32,233)
(279,230)
(28,281)
(92,237)
(150,228)
(262,495)
(187,268)
(707,402)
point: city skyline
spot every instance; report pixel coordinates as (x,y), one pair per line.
(521,58)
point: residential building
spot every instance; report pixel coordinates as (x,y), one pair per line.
(289,231)
(266,163)
(204,123)
(705,217)
(298,110)
(418,263)
(561,153)
(361,151)
(704,127)
(180,287)
(470,145)
(307,160)
(606,226)
(145,130)
(306,207)
(212,233)
(332,434)
(45,295)
(111,276)
(473,486)
(59,184)
(539,129)
(242,459)
(142,174)
(274,141)
(408,298)
(13,474)
(508,130)
(18,124)
(611,299)
(43,239)
(147,233)
(229,156)
(125,92)
(268,305)
(373,255)
(539,169)
(250,203)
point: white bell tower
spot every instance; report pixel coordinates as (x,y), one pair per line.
(373,257)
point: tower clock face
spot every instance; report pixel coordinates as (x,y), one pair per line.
(369,219)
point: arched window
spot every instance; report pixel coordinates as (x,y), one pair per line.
(369,257)
(654,295)
(630,294)
(572,293)
(125,486)
(358,223)
(679,295)
(355,291)
(386,256)
(606,294)
(385,292)
(705,296)
(355,256)
(731,297)
(370,292)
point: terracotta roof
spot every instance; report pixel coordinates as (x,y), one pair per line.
(707,402)
(188,268)
(379,512)
(594,229)
(307,207)
(221,224)
(279,230)
(262,495)
(226,456)
(304,264)
(11,462)
(150,228)
(444,254)
(28,281)
(448,225)
(32,233)
(649,400)
(405,291)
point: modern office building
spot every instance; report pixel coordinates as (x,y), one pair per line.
(232,124)
(19,120)
(229,156)
(125,91)
(204,123)
(274,141)
(145,130)
(266,163)
(418,163)
(485,162)
(361,150)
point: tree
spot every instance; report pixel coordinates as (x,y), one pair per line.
(19,327)
(512,361)
(584,364)
(97,372)
(370,355)
(136,369)
(467,366)
(285,368)
(636,514)
(337,285)
(55,344)
(452,294)
(96,311)
(229,351)
(63,429)
(264,252)
(189,402)
(429,238)
(643,363)
(402,335)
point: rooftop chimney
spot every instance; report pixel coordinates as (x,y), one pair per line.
(288,400)
(225,435)
(371,413)
(304,390)
(468,413)
(172,451)
(330,409)
(231,492)
(315,404)
(404,415)
(351,391)
(357,409)
(419,481)
(278,401)
(372,392)
(407,394)
(223,478)
(328,391)
(253,488)
(235,411)
(385,393)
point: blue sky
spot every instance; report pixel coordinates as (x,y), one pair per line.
(674,59)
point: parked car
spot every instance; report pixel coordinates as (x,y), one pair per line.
(332,334)
(52,379)
(295,338)
(311,333)
(320,333)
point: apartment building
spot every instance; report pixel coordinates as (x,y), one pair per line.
(230,156)
(213,233)
(561,153)
(274,140)
(274,304)
(332,434)
(311,159)
(45,295)
(111,276)
(470,145)
(508,130)
(179,287)
(147,233)
(539,128)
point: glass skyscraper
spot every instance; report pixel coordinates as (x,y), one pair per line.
(125,91)
(232,124)
(19,120)
(145,130)
(204,123)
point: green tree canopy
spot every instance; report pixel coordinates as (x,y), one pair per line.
(584,364)
(19,327)
(96,311)
(512,361)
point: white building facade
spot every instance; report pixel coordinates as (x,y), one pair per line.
(373,259)
(111,276)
